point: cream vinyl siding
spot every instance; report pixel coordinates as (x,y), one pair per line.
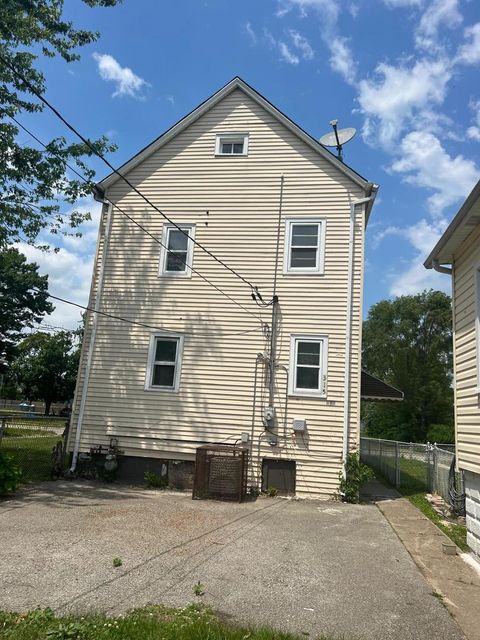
(467,405)
(233,201)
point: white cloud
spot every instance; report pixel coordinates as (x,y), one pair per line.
(416,278)
(127,82)
(425,163)
(286,54)
(329,9)
(439,13)
(403,3)
(398,96)
(70,269)
(422,236)
(473,133)
(301,43)
(341,59)
(251,33)
(469,53)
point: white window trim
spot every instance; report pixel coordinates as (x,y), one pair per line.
(319,269)
(292,390)
(151,359)
(231,135)
(476,282)
(164,252)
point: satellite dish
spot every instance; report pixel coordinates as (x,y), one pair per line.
(338,138)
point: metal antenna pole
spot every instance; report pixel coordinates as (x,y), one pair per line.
(273,332)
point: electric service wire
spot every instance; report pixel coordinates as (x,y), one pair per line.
(142,228)
(148,326)
(113,169)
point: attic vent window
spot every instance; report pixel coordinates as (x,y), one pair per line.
(231,144)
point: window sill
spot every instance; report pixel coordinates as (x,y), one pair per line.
(172,274)
(303,273)
(162,389)
(231,155)
(308,394)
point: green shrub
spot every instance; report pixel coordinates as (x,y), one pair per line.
(356,474)
(154,481)
(441,434)
(10,474)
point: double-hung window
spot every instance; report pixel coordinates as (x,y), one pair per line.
(164,362)
(304,245)
(177,251)
(308,365)
(231,144)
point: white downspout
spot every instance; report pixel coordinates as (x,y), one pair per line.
(98,296)
(348,333)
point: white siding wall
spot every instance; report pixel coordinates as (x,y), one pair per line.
(467,405)
(234,203)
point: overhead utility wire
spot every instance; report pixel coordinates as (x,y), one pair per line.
(114,170)
(143,324)
(154,238)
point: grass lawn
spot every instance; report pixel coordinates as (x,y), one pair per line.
(413,474)
(194,622)
(456,532)
(32,454)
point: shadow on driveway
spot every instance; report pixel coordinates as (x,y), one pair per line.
(302,566)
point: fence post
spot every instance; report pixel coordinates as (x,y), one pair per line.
(397,466)
(434,468)
(428,451)
(2,428)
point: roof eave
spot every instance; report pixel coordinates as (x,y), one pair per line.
(435,255)
(237,82)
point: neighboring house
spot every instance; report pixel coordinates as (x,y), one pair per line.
(459,248)
(235,174)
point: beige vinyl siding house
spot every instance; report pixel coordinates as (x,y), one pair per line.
(459,248)
(196,371)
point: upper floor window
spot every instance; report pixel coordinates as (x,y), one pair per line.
(304,245)
(231,144)
(177,251)
(308,365)
(164,360)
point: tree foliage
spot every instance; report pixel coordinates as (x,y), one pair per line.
(45,367)
(408,343)
(31,178)
(23,297)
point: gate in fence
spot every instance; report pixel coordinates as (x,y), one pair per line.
(416,468)
(35,443)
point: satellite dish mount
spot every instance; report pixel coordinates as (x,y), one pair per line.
(338,138)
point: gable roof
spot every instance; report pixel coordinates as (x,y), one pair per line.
(457,231)
(236,83)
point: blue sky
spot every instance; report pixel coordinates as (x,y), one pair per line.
(403,72)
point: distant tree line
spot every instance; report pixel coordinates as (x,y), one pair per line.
(407,342)
(35,365)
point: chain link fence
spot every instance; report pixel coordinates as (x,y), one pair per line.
(414,467)
(35,443)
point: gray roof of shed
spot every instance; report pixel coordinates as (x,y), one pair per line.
(373,388)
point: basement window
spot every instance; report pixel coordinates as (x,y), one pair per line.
(164,362)
(304,246)
(231,144)
(308,365)
(177,250)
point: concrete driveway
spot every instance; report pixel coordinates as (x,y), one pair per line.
(306,567)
